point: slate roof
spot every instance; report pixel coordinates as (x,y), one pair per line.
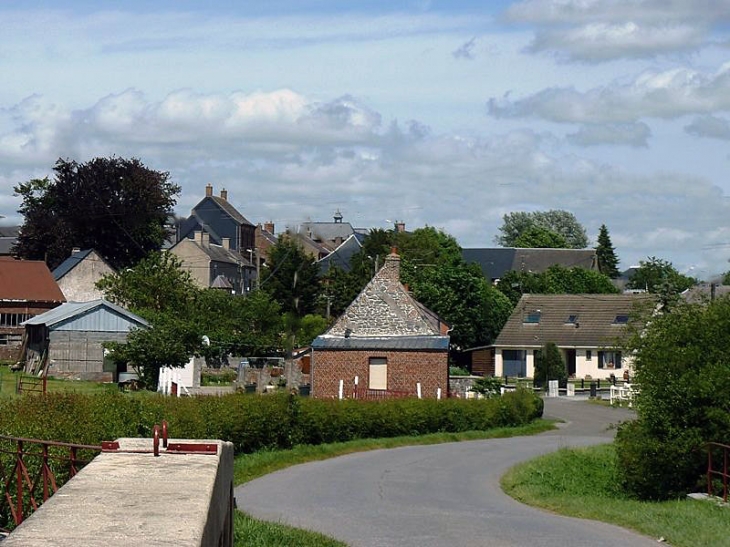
(230,210)
(8,237)
(71,310)
(70,263)
(27,280)
(570,320)
(327,231)
(343,254)
(385,316)
(495,262)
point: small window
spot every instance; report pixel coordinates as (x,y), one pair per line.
(589,355)
(621,320)
(532,318)
(378,378)
(572,319)
(609,359)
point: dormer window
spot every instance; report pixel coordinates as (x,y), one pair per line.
(621,320)
(572,320)
(532,318)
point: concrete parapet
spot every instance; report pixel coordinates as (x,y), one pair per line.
(128,498)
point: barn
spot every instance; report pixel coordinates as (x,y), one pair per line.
(70,339)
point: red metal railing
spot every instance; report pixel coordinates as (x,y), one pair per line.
(31,471)
(713,472)
(31,384)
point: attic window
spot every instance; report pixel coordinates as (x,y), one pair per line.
(621,320)
(532,318)
(572,320)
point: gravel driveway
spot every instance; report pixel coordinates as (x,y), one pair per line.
(439,495)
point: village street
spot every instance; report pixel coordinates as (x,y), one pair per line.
(441,495)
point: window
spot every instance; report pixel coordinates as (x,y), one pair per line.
(532,318)
(609,359)
(589,355)
(378,373)
(13,319)
(621,320)
(514,362)
(572,319)
(10,339)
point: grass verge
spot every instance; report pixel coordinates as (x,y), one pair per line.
(583,483)
(253,532)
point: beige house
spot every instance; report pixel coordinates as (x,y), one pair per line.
(214,266)
(77,275)
(587,328)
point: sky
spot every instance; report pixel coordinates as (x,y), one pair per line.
(438,113)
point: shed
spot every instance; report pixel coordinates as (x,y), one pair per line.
(71,336)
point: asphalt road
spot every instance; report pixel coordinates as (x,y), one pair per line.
(440,495)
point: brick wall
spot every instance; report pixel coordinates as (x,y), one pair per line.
(405,369)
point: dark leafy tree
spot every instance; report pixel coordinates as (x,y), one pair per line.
(549,365)
(559,222)
(659,277)
(117,206)
(536,237)
(555,280)
(681,363)
(607,259)
(291,277)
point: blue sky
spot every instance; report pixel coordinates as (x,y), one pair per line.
(433,113)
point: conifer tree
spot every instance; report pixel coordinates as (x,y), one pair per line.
(607,260)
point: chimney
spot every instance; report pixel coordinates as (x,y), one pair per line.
(400,226)
(391,268)
(226,242)
(75,250)
(269,226)
(224,194)
(209,190)
(204,239)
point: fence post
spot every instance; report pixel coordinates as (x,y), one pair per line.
(19,484)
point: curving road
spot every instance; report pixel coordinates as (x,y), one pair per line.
(439,495)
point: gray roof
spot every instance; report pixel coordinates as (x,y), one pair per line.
(328,231)
(73,310)
(343,254)
(495,262)
(230,210)
(435,343)
(70,263)
(570,320)
(8,237)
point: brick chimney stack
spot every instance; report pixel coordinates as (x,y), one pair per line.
(269,226)
(209,190)
(224,194)
(400,226)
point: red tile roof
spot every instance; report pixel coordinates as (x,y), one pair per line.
(29,280)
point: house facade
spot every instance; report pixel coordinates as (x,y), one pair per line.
(77,275)
(215,266)
(217,217)
(67,341)
(587,329)
(27,289)
(385,343)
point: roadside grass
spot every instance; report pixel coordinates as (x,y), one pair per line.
(583,483)
(253,532)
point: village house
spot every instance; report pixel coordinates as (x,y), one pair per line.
(77,275)
(386,342)
(586,328)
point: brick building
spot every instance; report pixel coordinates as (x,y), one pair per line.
(385,339)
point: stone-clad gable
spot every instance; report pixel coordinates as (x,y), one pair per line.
(384,308)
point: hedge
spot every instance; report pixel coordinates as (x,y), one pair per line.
(254,422)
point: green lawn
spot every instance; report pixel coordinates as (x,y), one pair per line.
(249,531)
(9,379)
(582,483)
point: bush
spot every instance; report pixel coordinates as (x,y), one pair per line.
(255,422)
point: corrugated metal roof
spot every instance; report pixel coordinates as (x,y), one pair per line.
(382,343)
(569,320)
(72,311)
(28,280)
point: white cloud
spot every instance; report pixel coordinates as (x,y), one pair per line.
(653,94)
(628,134)
(602,30)
(709,126)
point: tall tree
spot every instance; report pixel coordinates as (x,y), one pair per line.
(537,237)
(291,277)
(557,221)
(549,365)
(607,259)
(115,205)
(660,277)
